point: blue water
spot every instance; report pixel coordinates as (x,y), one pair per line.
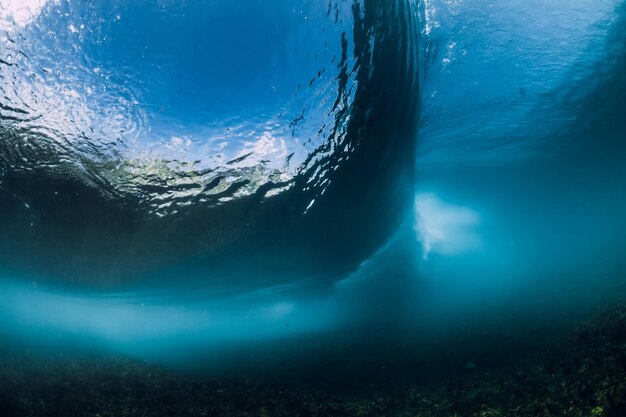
(372,191)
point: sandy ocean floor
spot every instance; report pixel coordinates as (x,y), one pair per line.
(584,376)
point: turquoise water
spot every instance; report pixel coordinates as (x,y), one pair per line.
(372,191)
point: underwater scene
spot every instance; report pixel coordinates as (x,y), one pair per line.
(313,208)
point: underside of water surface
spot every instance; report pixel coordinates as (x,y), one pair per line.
(416,200)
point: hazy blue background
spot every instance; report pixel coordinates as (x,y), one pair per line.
(517,231)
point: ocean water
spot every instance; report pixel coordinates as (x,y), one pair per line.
(344,193)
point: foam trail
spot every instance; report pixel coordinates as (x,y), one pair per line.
(445,228)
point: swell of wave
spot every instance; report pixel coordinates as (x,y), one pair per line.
(113,170)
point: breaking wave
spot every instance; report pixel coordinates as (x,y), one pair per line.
(225,140)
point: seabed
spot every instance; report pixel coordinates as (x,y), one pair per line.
(585,375)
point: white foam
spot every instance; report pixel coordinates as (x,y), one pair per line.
(16,14)
(444,228)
